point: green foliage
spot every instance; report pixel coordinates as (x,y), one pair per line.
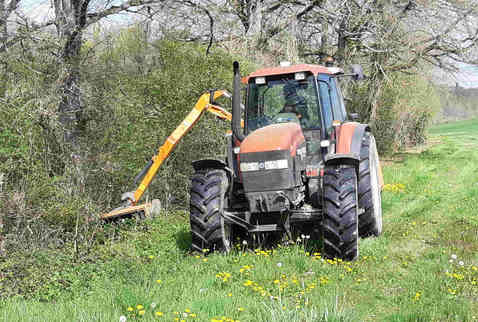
(406,105)
(457,103)
(424,266)
(134,94)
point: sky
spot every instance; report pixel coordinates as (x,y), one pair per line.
(466,77)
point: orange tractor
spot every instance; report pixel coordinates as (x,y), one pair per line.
(296,165)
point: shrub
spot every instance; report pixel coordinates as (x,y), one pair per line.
(406,105)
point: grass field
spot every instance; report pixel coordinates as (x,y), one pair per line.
(423,268)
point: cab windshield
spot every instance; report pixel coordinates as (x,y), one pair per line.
(281,101)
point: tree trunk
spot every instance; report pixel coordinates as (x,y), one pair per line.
(70,18)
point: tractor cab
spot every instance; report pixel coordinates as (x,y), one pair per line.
(304,94)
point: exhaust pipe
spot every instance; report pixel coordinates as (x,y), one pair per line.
(236,104)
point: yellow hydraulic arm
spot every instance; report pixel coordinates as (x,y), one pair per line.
(203,104)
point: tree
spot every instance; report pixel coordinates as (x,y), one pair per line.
(72,17)
(7,8)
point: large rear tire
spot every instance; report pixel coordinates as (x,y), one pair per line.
(340,222)
(207,202)
(370,200)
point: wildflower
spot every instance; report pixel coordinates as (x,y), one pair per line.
(244,242)
(453,256)
(276,281)
(139,307)
(150,256)
(279,264)
(240,309)
(159,313)
(122,318)
(153,305)
(130,309)
(205,250)
(204,260)
(187,310)
(141,312)
(193,315)
(461,263)
(417,296)
(229,294)
(158,281)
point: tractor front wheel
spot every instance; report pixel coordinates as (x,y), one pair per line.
(340,222)
(209,232)
(369,196)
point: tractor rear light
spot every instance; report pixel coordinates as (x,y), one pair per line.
(312,172)
(276,164)
(237,149)
(260,80)
(299,76)
(249,166)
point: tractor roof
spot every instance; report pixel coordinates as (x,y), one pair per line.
(314,69)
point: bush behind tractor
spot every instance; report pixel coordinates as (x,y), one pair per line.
(296,164)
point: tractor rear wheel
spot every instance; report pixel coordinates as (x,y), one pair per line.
(370,200)
(340,222)
(209,232)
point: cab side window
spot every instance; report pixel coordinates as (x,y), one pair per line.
(325,103)
(337,103)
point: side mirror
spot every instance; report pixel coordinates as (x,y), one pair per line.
(357,72)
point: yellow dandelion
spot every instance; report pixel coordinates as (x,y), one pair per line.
(158,281)
(417,296)
(141,312)
(187,310)
(229,294)
(193,315)
(139,307)
(159,313)
(240,309)
(204,260)
(276,281)
(130,309)
(150,256)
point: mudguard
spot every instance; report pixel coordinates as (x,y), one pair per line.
(349,141)
(349,137)
(210,164)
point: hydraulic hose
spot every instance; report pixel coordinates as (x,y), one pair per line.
(236,104)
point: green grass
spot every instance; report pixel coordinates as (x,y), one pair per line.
(430,209)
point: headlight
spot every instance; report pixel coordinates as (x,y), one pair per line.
(264,165)
(249,166)
(276,164)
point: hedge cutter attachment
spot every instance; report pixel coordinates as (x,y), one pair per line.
(130,199)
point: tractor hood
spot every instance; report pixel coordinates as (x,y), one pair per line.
(282,136)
